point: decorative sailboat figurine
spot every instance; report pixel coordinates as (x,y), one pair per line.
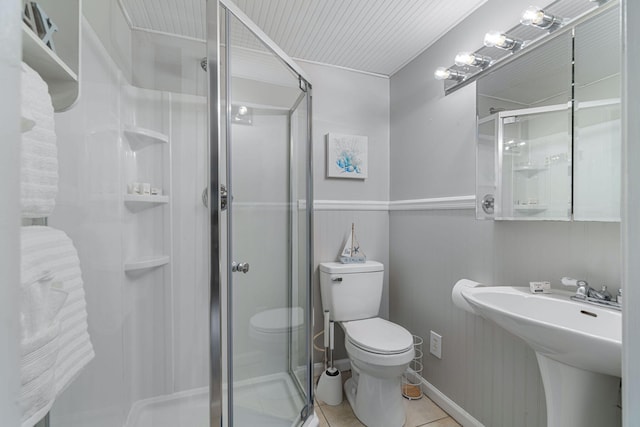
(352,252)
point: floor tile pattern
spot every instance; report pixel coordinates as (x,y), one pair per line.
(420,413)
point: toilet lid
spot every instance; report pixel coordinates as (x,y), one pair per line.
(378,336)
(277,320)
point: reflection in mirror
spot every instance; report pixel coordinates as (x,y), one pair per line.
(597,137)
(525,119)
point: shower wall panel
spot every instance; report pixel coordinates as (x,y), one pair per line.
(190,243)
(149,328)
(88,210)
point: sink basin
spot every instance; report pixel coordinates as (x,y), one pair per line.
(581,335)
(578,347)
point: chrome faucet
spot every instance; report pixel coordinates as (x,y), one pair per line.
(586,293)
(583,289)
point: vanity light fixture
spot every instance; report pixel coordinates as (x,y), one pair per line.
(443,73)
(537,17)
(502,41)
(473,59)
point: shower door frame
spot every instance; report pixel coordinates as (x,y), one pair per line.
(216,268)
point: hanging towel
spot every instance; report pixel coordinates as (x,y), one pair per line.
(48,255)
(39,153)
(37,373)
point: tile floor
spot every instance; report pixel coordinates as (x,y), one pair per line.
(420,413)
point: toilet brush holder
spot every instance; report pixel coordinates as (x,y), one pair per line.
(329,388)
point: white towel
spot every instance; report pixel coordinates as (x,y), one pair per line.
(40,303)
(39,153)
(49,254)
(37,372)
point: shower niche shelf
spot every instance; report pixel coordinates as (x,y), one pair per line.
(530,208)
(140,137)
(137,203)
(146,262)
(42,59)
(530,170)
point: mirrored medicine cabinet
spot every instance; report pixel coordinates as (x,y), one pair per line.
(548,129)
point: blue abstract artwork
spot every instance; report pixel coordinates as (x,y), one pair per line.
(346,156)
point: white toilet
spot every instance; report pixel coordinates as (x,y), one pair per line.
(379,350)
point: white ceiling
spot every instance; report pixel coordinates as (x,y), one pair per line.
(377,36)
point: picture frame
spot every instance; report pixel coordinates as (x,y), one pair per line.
(347,156)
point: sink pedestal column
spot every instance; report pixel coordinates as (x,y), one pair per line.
(578,398)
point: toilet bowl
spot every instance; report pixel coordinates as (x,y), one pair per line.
(379,350)
(269,331)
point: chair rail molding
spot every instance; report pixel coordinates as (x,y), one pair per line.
(436,203)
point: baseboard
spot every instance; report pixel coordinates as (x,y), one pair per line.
(341,364)
(449,406)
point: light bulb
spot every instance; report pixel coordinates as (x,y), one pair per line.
(468,58)
(532,16)
(537,17)
(464,58)
(501,40)
(494,38)
(442,73)
(242,110)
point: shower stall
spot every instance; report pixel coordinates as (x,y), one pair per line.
(198,292)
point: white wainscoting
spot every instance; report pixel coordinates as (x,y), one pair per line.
(436,203)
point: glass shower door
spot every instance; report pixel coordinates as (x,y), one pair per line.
(268,226)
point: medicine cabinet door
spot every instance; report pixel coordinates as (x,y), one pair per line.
(597,136)
(534,149)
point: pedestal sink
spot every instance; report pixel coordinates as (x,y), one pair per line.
(578,347)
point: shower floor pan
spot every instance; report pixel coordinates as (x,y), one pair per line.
(270,401)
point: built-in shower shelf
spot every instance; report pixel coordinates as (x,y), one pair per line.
(42,59)
(137,202)
(60,68)
(146,262)
(140,138)
(530,208)
(530,170)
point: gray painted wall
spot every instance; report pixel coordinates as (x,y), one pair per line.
(353,103)
(492,374)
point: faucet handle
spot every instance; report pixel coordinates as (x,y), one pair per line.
(568,281)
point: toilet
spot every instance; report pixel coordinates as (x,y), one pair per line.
(379,350)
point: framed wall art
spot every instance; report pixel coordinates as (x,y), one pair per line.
(347,156)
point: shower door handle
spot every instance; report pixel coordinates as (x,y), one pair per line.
(240,267)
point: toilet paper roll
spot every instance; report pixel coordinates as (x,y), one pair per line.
(456,294)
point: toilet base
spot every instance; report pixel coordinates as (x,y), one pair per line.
(377,402)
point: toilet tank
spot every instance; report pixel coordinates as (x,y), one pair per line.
(351,291)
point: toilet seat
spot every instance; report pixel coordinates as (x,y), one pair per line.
(379,336)
(277,320)
(378,342)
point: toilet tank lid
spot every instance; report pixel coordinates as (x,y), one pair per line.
(339,268)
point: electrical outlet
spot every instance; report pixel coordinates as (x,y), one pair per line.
(435,345)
